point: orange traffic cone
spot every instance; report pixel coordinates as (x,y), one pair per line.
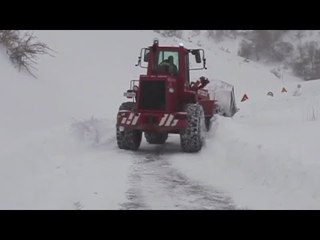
(244,98)
(284,90)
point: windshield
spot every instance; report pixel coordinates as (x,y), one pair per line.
(168,61)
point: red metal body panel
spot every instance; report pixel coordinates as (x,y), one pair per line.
(208,107)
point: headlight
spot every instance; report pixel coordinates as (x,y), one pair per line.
(171,90)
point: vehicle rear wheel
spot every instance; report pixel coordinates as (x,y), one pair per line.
(192,138)
(128,139)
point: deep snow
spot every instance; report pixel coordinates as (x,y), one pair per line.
(58,148)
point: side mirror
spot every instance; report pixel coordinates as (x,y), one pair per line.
(146,55)
(197,55)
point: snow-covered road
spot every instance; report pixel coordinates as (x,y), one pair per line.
(156,184)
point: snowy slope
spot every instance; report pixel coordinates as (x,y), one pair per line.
(58,148)
(266,156)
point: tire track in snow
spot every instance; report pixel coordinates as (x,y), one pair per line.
(155,184)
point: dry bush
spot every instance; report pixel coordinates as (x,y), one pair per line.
(23,50)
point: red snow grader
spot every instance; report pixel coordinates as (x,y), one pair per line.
(164,100)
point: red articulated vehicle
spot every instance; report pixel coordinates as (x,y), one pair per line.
(164,101)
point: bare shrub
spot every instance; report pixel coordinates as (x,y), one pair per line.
(23,50)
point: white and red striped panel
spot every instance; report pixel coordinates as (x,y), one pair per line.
(131,120)
(166,121)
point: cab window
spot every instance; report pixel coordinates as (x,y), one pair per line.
(168,61)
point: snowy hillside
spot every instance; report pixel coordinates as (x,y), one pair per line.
(58,146)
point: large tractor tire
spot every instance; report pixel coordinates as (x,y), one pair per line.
(192,138)
(156,138)
(128,139)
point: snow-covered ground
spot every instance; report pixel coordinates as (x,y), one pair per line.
(58,147)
